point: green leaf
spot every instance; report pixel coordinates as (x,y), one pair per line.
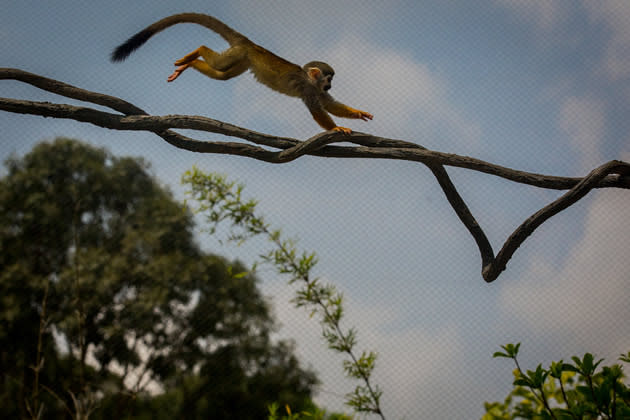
(511,351)
(523,381)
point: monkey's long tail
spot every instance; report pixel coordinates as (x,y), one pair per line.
(230,35)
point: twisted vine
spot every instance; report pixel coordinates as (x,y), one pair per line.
(613,174)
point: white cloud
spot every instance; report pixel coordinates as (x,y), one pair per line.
(408,100)
(413,367)
(411,362)
(545,14)
(615,14)
(584,301)
(584,122)
(406,97)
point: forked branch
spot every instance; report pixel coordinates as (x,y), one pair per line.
(273,149)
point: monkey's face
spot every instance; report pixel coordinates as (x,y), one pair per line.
(321,74)
(323,80)
(326,82)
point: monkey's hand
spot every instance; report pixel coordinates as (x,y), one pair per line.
(362,115)
(343,130)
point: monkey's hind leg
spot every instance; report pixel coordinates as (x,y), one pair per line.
(183,63)
(213,73)
(235,56)
(221,66)
(204,68)
(218,61)
(188,58)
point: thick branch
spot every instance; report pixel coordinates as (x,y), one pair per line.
(129,117)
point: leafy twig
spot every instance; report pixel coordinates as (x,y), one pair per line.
(220,200)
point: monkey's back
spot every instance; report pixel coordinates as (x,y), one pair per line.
(276,72)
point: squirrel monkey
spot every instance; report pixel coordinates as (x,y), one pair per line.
(310,83)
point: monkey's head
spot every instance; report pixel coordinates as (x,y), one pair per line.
(320,74)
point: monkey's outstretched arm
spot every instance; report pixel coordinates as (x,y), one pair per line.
(340,110)
(323,119)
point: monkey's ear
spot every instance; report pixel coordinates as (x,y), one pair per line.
(314,73)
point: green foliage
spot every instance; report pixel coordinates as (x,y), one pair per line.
(312,413)
(221,201)
(565,391)
(105,297)
(511,351)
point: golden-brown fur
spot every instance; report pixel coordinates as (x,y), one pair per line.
(310,83)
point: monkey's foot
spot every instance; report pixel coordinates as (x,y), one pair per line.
(343,130)
(176,73)
(188,58)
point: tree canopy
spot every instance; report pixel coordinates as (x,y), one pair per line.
(110,307)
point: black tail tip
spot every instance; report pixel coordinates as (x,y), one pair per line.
(119,54)
(122,51)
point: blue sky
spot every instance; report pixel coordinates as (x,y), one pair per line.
(537,86)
